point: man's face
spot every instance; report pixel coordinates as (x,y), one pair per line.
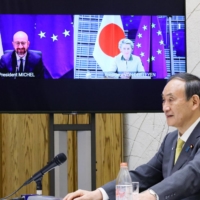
(126,50)
(177,108)
(20,43)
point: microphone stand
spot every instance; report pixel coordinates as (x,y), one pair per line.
(39,186)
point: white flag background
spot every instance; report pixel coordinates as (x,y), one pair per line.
(106,47)
(1,47)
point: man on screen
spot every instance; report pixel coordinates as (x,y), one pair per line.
(125,63)
(174,171)
(21,63)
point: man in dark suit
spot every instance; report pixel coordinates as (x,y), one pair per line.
(21,62)
(166,175)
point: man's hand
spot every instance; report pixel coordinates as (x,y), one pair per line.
(84,195)
(146,196)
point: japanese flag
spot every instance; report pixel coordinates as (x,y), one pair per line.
(106,46)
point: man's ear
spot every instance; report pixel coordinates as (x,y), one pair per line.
(195,101)
(28,43)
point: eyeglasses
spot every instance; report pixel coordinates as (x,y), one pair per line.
(18,43)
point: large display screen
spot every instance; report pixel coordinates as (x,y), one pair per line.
(89,56)
(93,46)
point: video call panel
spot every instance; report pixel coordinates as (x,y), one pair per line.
(93,46)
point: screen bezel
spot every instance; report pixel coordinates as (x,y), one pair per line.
(85,96)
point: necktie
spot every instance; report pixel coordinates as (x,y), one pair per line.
(179,146)
(21,65)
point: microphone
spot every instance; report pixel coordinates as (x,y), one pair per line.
(58,160)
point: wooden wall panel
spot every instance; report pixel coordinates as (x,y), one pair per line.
(108,147)
(24,149)
(1,191)
(72,161)
(69,118)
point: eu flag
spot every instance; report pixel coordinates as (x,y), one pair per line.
(149,45)
(158,51)
(142,42)
(179,42)
(50,34)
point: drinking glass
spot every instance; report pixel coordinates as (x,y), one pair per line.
(135,190)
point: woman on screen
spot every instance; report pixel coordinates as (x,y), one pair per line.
(125,64)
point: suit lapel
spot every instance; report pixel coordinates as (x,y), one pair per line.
(186,151)
(26,61)
(14,62)
(173,150)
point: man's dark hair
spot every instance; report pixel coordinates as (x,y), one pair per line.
(192,83)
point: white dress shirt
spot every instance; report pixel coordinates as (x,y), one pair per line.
(120,65)
(18,60)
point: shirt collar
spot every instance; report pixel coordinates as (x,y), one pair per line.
(18,58)
(131,57)
(187,133)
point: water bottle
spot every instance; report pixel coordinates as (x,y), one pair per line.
(124,187)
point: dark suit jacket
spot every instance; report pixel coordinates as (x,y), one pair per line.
(33,63)
(172,182)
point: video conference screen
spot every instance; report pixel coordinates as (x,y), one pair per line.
(63,46)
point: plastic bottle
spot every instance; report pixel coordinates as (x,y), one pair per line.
(124,187)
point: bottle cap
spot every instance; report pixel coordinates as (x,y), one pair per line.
(123,164)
